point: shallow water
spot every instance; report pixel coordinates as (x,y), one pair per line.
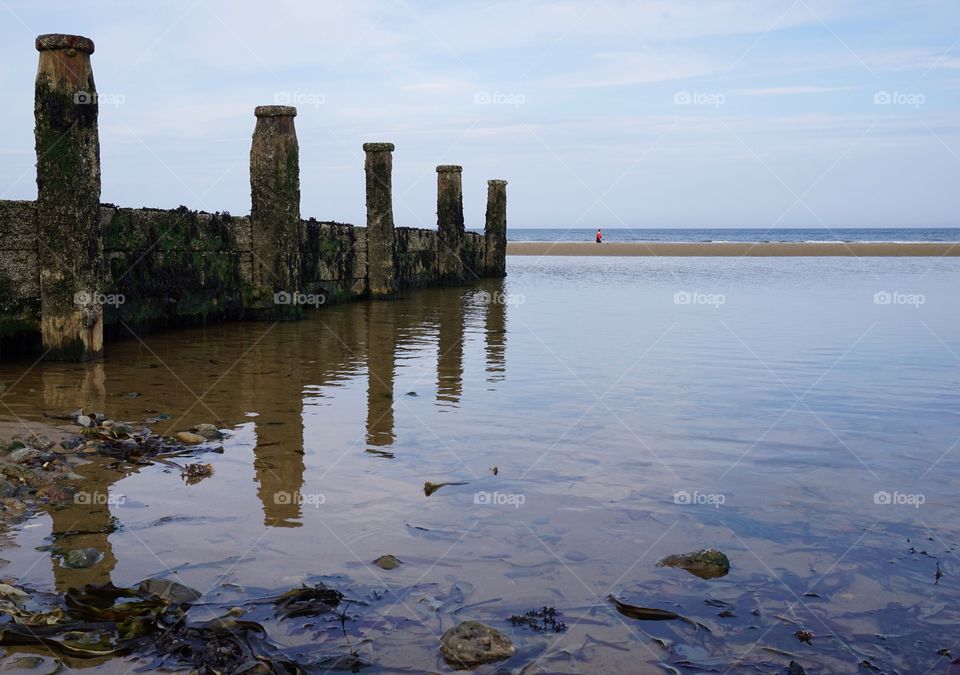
(634,408)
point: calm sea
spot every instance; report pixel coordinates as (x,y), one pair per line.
(903,234)
(800,414)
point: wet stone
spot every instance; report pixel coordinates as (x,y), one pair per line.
(208,431)
(39,442)
(471,643)
(387,562)
(79,558)
(71,443)
(708,563)
(190,438)
(7,489)
(24,455)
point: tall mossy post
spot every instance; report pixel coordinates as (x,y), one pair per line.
(450,230)
(70,248)
(275,215)
(381,270)
(495,230)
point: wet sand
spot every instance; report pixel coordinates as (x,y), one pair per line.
(734,249)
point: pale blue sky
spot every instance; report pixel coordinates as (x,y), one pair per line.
(679,113)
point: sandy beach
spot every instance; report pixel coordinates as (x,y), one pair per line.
(767,249)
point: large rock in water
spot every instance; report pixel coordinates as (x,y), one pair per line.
(79,558)
(706,564)
(471,643)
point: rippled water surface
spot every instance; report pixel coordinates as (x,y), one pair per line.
(801,415)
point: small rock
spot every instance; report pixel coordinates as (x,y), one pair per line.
(7,489)
(25,475)
(71,443)
(169,590)
(471,643)
(79,558)
(84,421)
(11,446)
(121,428)
(24,455)
(189,438)
(208,431)
(795,669)
(388,562)
(706,564)
(39,442)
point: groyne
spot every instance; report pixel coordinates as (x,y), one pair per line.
(73,270)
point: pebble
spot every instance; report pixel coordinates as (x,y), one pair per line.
(79,558)
(471,643)
(189,438)
(208,431)
(388,562)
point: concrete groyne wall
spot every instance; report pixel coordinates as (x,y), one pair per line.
(73,270)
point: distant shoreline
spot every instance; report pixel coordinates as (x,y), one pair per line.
(737,249)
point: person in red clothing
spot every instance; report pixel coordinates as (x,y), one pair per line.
(599,236)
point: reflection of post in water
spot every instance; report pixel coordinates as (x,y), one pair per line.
(278,458)
(450,346)
(495,330)
(381,365)
(86,521)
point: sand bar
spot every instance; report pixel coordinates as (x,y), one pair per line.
(732,249)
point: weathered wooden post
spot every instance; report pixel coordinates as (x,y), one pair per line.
(275,214)
(495,230)
(381,273)
(449,223)
(68,199)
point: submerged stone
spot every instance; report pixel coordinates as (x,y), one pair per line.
(79,558)
(208,431)
(169,590)
(471,643)
(708,563)
(189,438)
(388,562)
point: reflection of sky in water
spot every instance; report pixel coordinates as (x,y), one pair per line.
(603,390)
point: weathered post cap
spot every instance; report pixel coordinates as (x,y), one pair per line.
(52,41)
(449,168)
(378,147)
(275,111)
(496,181)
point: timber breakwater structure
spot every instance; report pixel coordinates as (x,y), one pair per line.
(73,269)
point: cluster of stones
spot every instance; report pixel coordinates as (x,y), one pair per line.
(72,268)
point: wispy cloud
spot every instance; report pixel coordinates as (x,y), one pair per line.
(787,91)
